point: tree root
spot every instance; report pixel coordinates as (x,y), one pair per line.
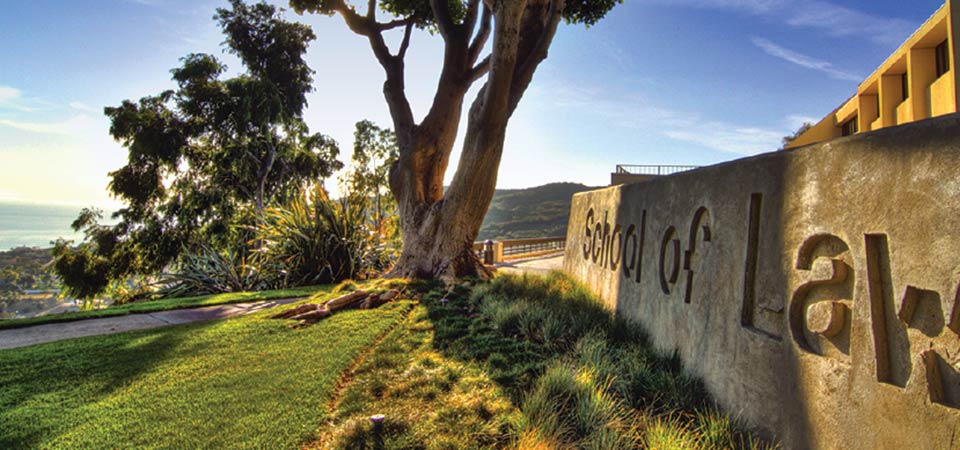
(311,313)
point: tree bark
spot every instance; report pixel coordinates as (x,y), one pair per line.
(438,231)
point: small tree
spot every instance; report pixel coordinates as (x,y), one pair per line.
(374,151)
(208,156)
(787,140)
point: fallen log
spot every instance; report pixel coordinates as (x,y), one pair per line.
(307,307)
(372,301)
(345,301)
(389,295)
(312,316)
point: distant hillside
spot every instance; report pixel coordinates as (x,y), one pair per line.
(533,212)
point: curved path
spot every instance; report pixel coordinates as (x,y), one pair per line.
(39,334)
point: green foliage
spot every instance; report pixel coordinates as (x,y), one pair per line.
(528,213)
(84,273)
(247,382)
(208,156)
(209,271)
(588,12)
(24,268)
(374,151)
(315,239)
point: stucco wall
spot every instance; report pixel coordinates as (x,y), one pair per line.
(814,290)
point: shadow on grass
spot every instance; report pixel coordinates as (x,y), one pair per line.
(581,377)
(44,386)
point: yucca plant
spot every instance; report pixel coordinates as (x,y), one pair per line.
(208,271)
(314,238)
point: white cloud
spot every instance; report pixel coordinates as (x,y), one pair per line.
(729,137)
(635,112)
(74,126)
(826,17)
(8,93)
(795,121)
(841,21)
(80,106)
(11,98)
(804,61)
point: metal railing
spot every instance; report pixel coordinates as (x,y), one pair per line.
(522,248)
(634,169)
(492,252)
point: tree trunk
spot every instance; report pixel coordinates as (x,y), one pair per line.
(439,227)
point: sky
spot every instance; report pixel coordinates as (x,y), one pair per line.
(673,82)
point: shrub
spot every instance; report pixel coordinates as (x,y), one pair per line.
(315,239)
(208,271)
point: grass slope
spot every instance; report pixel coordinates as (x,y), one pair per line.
(164,305)
(530,363)
(540,211)
(248,382)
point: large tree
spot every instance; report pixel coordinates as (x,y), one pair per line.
(439,227)
(206,158)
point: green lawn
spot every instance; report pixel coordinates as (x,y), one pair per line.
(164,305)
(247,382)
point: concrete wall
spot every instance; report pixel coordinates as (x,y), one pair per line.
(624,178)
(814,290)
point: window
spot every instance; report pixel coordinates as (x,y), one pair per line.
(849,127)
(943,58)
(905,85)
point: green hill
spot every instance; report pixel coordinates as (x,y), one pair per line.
(540,211)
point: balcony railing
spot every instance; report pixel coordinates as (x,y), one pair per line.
(493,252)
(652,170)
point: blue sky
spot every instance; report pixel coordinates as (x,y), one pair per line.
(689,82)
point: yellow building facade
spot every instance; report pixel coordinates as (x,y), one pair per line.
(916,82)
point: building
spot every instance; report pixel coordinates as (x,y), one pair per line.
(918,81)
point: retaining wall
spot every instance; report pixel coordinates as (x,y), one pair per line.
(815,291)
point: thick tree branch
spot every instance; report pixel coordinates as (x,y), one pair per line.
(480,39)
(538,52)
(393,87)
(405,43)
(357,23)
(470,18)
(441,14)
(394,24)
(372,9)
(479,70)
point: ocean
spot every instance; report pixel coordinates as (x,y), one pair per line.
(36,225)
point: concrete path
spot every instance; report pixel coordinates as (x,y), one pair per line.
(39,334)
(541,265)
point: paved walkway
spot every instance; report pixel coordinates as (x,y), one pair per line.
(39,334)
(540,265)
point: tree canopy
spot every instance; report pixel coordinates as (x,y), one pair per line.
(210,154)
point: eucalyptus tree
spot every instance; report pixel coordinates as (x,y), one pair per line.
(209,155)
(439,226)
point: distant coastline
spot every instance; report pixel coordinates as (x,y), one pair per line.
(35,224)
